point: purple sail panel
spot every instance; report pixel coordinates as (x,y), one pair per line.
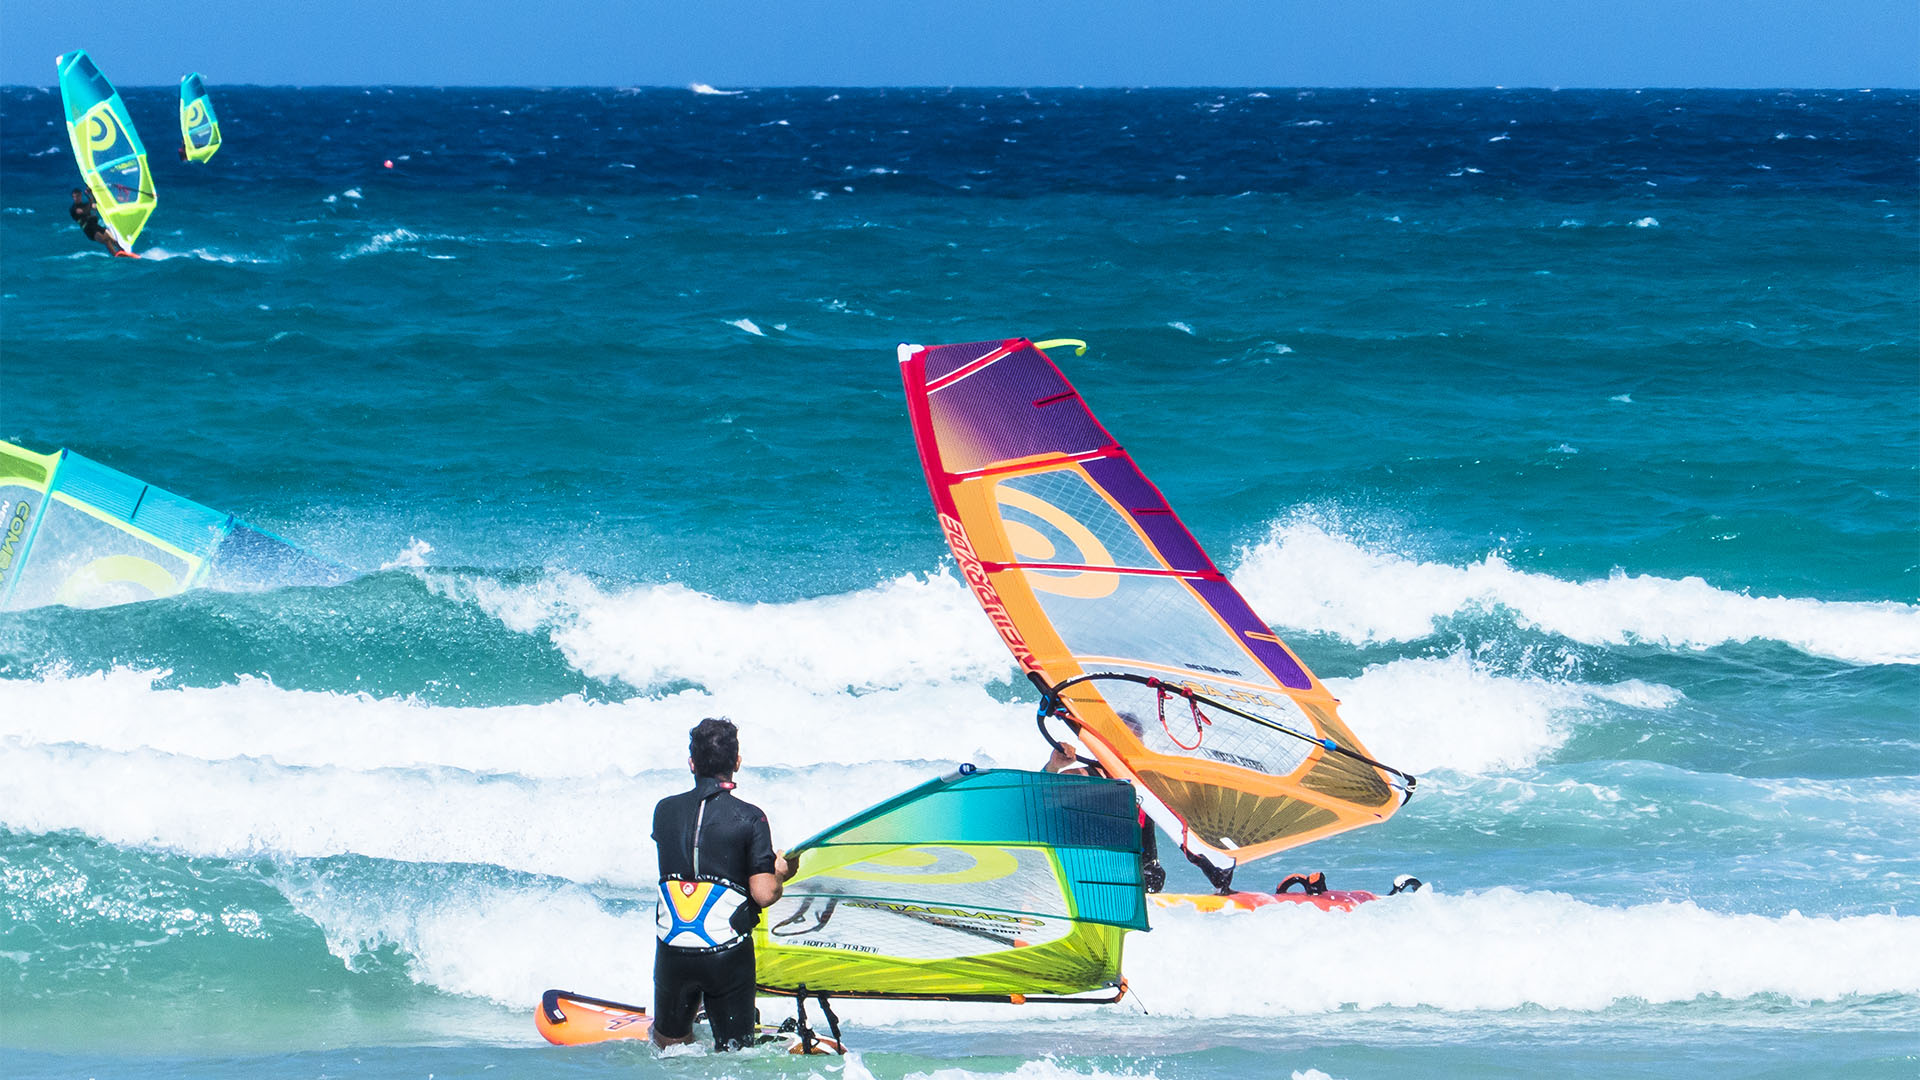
(1123,480)
(939,361)
(1015,407)
(1225,600)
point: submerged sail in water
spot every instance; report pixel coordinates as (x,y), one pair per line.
(983,885)
(106,147)
(1138,640)
(199,128)
(73,531)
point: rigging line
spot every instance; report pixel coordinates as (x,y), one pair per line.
(1165,687)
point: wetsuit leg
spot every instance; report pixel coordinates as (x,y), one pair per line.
(682,978)
(729,989)
(676,991)
(1153,874)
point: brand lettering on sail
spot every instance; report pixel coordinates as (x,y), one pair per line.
(946,912)
(977,580)
(16,525)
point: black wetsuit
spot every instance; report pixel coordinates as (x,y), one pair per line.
(88,216)
(734,845)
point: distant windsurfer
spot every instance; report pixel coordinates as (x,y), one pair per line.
(1066,760)
(718,870)
(87,215)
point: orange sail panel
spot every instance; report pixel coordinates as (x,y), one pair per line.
(1235,748)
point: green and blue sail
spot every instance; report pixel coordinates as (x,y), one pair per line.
(112,160)
(76,532)
(982,885)
(199,127)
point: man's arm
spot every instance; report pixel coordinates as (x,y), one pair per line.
(1065,760)
(768,888)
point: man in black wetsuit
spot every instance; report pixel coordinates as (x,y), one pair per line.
(88,216)
(718,869)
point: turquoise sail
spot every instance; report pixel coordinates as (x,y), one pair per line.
(112,160)
(199,127)
(989,884)
(76,532)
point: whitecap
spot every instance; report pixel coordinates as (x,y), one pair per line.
(1329,583)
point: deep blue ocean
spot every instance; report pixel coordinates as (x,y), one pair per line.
(1572,437)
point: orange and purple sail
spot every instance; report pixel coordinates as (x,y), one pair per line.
(1138,641)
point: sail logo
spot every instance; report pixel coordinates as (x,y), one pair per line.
(982,586)
(1041,532)
(16,527)
(103,135)
(945,912)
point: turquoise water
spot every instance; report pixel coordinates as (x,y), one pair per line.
(1587,480)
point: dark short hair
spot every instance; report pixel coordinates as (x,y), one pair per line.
(714,745)
(77,191)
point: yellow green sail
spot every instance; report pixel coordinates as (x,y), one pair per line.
(199,128)
(111,158)
(991,884)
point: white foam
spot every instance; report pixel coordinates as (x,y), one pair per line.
(1314,579)
(482,940)
(908,631)
(585,829)
(1047,1069)
(1504,949)
(703,88)
(124,711)
(749,326)
(1182,327)
(1491,951)
(383,241)
(203,254)
(413,556)
(1453,713)
(1645,223)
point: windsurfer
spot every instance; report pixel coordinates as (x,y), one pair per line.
(87,215)
(1066,760)
(718,870)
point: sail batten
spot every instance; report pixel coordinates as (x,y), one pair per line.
(1100,590)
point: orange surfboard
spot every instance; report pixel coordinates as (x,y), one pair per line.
(568,1019)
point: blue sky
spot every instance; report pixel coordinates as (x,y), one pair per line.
(1589,43)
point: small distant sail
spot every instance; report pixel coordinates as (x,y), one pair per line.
(199,128)
(105,146)
(989,885)
(1136,639)
(75,532)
